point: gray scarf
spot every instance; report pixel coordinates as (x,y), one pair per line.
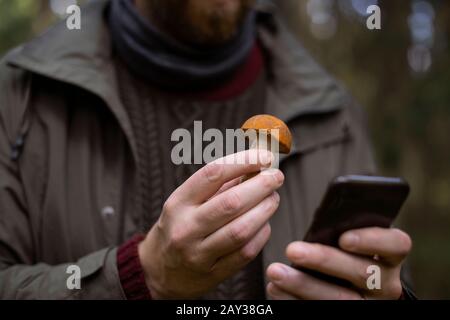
(170,64)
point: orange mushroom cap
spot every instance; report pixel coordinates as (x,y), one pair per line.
(268,122)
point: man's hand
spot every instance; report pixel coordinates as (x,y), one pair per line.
(211,226)
(360,249)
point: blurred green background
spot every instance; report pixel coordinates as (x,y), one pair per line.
(400,73)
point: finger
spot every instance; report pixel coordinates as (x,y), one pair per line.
(278,294)
(241,230)
(391,245)
(330,261)
(228,185)
(227,206)
(303,286)
(229,264)
(208,180)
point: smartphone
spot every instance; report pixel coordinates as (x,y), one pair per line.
(354,202)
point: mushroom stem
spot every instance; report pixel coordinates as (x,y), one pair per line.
(261,141)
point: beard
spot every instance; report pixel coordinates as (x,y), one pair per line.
(198,22)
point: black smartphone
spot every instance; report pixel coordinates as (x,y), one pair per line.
(354,202)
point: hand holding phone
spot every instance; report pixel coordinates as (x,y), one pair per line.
(355,202)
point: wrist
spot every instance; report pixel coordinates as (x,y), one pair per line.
(149,268)
(131,273)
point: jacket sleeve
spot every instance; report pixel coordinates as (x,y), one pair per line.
(21,275)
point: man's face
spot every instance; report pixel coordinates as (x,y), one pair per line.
(201,22)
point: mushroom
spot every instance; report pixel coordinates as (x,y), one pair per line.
(265,124)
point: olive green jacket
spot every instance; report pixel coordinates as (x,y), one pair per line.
(67,156)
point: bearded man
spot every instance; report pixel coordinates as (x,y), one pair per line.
(87,181)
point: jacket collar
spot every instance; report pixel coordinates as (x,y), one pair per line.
(82,58)
(78,57)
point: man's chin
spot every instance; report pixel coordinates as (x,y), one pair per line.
(229,8)
(198,22)
(219,22)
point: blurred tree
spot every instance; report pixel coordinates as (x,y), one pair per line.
(16,22)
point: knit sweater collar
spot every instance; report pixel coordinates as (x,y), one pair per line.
(172,65)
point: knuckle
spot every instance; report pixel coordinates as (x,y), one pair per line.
(213,171)
(248,253)
(177,238)
(274,201)
(189,259)
(239,233)
(268,181)
(231,202)
(361,275)
(176,243)
(193,260)
(169,206)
